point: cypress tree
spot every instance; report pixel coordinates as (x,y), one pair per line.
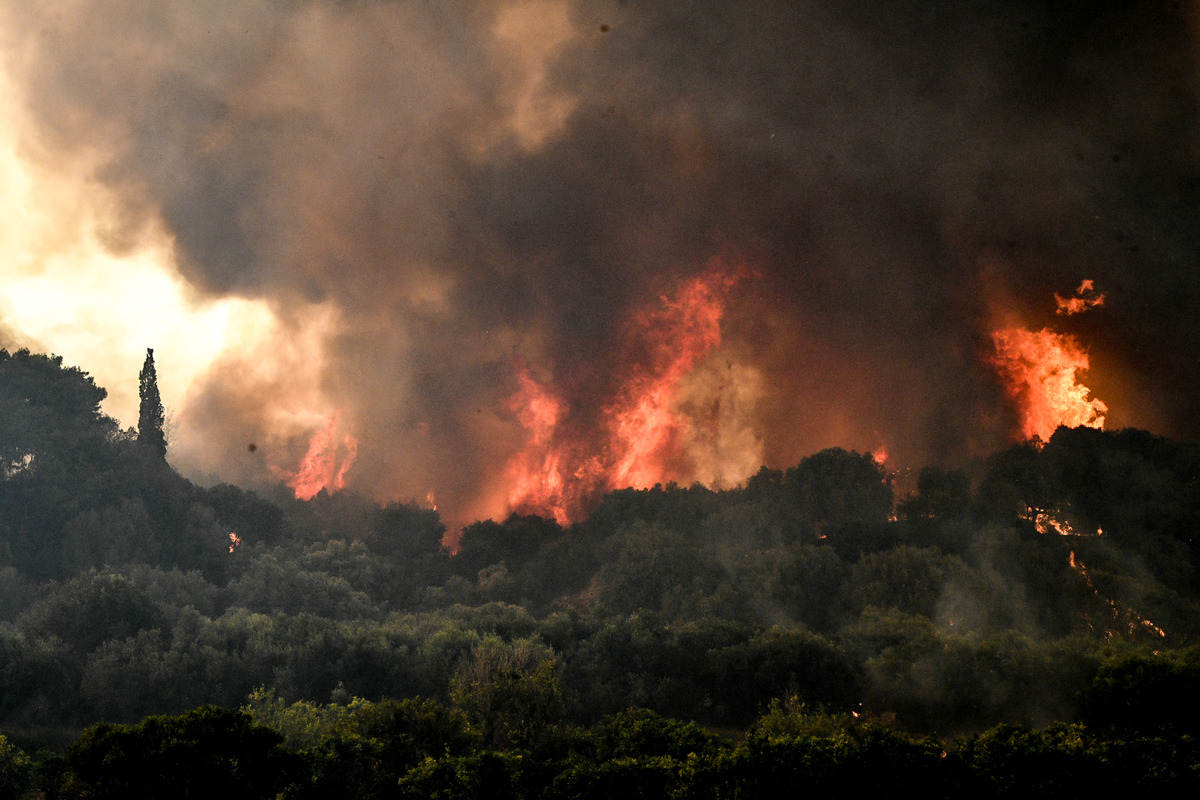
(151,415)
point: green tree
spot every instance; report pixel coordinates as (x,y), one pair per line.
(150,414)
(510,692)
(207,752)
(16,770)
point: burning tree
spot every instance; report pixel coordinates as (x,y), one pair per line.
(151,415)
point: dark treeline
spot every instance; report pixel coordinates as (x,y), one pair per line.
(1033,615)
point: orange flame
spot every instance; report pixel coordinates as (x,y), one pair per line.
(642,421)
(538,481)
(640,430)
(1039,371)
(1085,298)
(325,464)
(1134,622)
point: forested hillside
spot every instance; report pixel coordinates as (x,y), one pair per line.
(812,608)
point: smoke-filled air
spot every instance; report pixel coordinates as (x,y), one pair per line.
(505,257)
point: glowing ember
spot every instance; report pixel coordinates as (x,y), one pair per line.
(1039,371)
(1129,619)
(235,541)
(1085,298)
(1046,522)
(325,464)
(641,431)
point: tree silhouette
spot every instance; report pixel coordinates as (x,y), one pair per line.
(151,415)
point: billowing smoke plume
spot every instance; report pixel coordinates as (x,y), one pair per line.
(436,199)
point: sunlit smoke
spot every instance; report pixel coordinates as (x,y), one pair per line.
(74,287)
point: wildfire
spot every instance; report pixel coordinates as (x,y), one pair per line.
(1039,369)
(1047,522)
(1040,372)
(641,430)
(1085,298)
(538,480)
(325,464)
(1134,622)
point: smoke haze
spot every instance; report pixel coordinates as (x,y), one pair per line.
(421,200)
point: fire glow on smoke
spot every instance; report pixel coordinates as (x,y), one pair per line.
(325,464)
(646,434)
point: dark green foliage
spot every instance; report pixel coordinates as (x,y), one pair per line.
(640,733)
(776,663)
(493,775)
(89,610)
(1145,692)
(369,747)
(16,770)
(867,761)
(510,693)
(409,730)
(645,777)
(834,487)
(151,415)
(127,597)
(48,413)
(206,753)
(252,518)
(941,494)
(515,542)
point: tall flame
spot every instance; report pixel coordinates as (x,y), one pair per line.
(641,430)
(1039,369)
(538,480)
(324,465)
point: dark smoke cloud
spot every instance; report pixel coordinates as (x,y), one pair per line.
(903,177)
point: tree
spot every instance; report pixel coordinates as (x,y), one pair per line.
(207,752)
(151,415)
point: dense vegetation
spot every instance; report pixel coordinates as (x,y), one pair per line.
(976,634)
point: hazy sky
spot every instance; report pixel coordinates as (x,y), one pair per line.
(385,210)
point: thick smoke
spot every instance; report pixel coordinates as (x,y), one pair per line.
(430,195)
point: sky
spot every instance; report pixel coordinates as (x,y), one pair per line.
(387,227)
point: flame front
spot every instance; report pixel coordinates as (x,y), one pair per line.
(641,431)
(537,475)
(1129,620)
(1039,370)
(324,465)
